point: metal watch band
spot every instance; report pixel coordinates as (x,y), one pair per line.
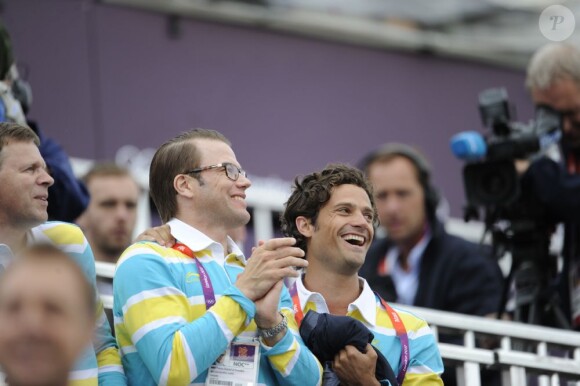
(272,332)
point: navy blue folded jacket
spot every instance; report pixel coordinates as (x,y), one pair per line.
(326,334)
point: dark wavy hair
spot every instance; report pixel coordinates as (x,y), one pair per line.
(313,191)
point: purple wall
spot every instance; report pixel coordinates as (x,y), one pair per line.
(106,76)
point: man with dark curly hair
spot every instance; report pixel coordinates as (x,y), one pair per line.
(331,214)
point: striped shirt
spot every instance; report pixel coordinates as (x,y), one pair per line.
(164,332)
(425,365)
(99,364)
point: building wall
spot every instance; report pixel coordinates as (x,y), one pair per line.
(105,76)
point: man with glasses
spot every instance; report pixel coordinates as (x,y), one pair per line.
(553,78)
(199,312)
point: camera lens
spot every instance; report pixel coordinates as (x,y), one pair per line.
(494,183)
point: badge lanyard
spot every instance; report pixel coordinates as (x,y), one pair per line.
(207,288)
(402,334)
(298,314)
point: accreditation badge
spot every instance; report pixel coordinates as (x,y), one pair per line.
(238,365)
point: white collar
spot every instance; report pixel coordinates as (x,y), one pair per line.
(198,241)
(365,303)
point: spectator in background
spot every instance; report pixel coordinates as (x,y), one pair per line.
(180,309)
(419,263)
(109,220)
(69,195)
(23,215)
(47,322)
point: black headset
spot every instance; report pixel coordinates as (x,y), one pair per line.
(388,150)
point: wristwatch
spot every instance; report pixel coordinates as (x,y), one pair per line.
(272,332)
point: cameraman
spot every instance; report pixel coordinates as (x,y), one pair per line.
(553,78)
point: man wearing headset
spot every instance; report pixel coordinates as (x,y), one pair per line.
(419,263)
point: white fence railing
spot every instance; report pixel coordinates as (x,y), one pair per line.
(552,353)
(554,358)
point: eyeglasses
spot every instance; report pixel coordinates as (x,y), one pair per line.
(232,171)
